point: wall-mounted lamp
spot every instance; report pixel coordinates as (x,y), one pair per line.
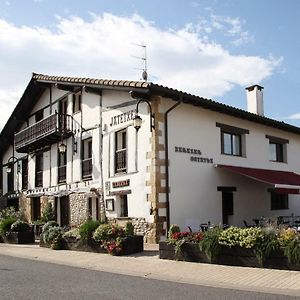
(10,163)
(137,120)
(75,146)
(62,147)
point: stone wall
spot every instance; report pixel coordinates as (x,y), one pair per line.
(25,206)
(78,209)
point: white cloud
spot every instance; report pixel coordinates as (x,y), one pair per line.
(295,116)
(102,48)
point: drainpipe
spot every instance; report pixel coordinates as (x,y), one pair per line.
(167,161)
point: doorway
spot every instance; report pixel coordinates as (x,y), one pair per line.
(227,202)
(64,211)
(35,208)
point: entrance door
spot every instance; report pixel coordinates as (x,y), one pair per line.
(227,206)
(64,211)
(124,206)
(36,208)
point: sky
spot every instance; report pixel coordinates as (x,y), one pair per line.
(210,48)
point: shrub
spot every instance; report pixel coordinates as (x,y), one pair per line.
(292,251)
(243,237)
(45,230)
(210,243)
(87,229)
(20,226)
(72,233)
(51,234)
(266,243)
(129,229)
(48,225)
(110,236)
(173,229)
(10,212)
(5,225)
(48,213)
(286,236)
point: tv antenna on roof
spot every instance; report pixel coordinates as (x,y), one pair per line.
(143,58)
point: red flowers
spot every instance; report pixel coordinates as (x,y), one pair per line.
(188,236)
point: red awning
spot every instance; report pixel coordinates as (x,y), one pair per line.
(283,181)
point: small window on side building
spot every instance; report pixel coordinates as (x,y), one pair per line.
(279,201)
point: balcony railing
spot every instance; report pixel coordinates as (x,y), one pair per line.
(45,132)
(120,161)
(62,174)
(87,168)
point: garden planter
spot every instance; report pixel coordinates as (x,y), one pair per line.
(72,243)
(26,237)
(235,256)
(189,252)
(131,244)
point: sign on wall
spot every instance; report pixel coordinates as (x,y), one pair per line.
(195,155)
(122,118)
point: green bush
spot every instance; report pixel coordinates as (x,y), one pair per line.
(110,237)
(266,243)
(20,226)
(48,225)
(173,229)
(129,229)
(48,213)
(87,229)
(5,225)
(243,237)
(72,233)
(210,243)
(52,233)
(292,251)
(10,212)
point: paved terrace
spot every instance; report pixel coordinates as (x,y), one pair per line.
(147,264)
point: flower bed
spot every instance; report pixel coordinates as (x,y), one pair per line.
(92,236)
(251,247)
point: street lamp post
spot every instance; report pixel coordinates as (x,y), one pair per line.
(137,120)
(10,167)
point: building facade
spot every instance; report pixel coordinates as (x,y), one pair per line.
(71,141)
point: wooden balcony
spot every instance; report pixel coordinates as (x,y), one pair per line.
(48,131)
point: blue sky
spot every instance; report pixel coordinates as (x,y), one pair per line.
(212,48)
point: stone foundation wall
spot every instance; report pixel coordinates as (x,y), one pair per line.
(78,209)
(25,206)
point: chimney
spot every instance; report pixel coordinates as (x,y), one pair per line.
(255,102)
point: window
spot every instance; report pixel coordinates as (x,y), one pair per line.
(232,140)
(62,167)
(279,201)
(231,143)
(277,149)
(76,103)
(39,115)
(39,170)
(87,158)
(124,206)
(121,153)
(25,174)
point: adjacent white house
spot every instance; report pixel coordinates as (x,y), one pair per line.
(193,161)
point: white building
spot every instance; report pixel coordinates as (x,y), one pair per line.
(201,162)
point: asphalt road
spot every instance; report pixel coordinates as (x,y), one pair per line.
(27,279)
